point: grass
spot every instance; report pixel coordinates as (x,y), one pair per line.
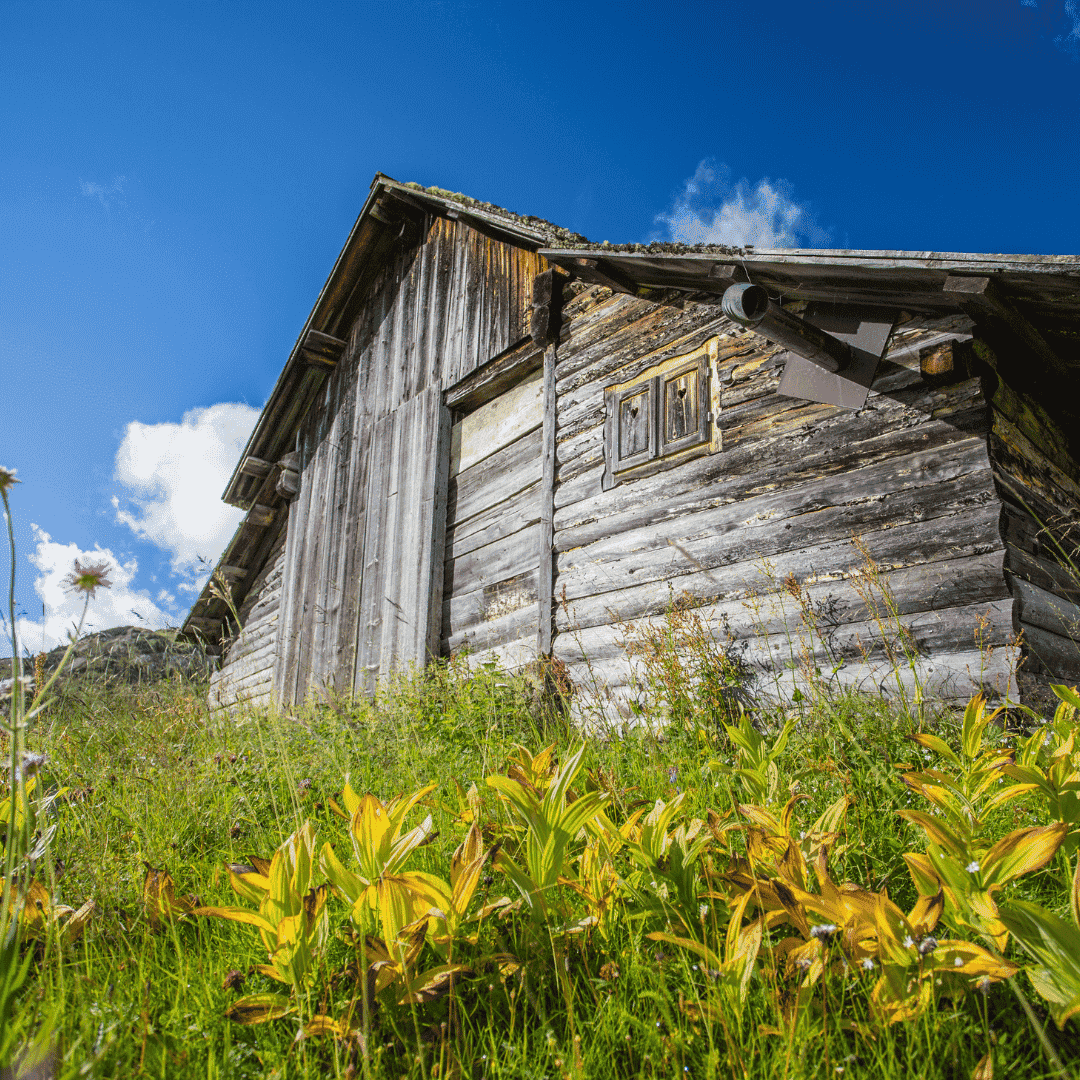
(152,778)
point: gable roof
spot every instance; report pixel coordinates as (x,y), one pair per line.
(389,208)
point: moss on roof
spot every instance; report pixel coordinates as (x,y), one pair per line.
(555,233)
(559,237)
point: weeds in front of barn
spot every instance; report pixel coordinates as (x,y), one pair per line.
(679,925)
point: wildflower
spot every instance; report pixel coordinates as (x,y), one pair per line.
(32,763)
(868,964)
(983,985)
(823,931)
(927,945)
(803,963)
(909,941)
(89,578)
(958,962)
(7,478)
(972,867)
(702,911)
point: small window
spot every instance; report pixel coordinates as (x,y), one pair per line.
(664,416)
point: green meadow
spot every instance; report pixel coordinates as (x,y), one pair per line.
(455,880)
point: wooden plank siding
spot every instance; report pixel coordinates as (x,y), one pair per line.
(436,311)
(246,677)
(793,484)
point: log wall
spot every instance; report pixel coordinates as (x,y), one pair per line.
(792,485)
(246,675)
(493,528)
(1039,487)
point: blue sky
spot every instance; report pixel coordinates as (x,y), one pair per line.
(177,179)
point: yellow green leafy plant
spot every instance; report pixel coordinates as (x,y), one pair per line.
(1054,947)
(37,915)
(755,767)
(380,890)
(290,916)
(962,857)
(549,819)
(1049,762)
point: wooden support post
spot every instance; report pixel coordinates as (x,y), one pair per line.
(438,532)
(545,576)
(547,302)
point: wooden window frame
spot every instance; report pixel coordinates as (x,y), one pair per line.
(663,453)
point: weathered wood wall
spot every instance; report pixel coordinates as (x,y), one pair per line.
(1039,486)
(438,310)
(493,528)
(793,483)
(246,675)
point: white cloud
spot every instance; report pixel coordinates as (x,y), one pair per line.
(174,475)
(711,209)
(120,605)
(1070,42)
(104,193)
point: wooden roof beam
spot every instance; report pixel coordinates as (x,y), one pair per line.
(982,298)
(253,466)
(604,273)
(321,350)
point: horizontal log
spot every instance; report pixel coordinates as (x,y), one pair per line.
(518,511)
(511,656)
(505,557)
(1059,656)
(786,449)
(925,633)
(512,625)
(654,504)
(496,424)
(1052,576)
(259,516)
(321,350)
(764,526)
(253,466)
(1035,606)
(466,609)
(496,376)
(750,598)
(495,479)
(604,688)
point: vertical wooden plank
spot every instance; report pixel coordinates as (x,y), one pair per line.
(370,608)
(285,658)
(545,578)
(435,583)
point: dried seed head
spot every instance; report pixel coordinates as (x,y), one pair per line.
(7,479)
(927,945)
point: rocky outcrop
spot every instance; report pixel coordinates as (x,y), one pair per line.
(128,654)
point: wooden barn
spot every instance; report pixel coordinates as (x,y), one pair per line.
(492,434)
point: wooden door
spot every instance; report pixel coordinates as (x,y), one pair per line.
(399,614)
(493,527)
